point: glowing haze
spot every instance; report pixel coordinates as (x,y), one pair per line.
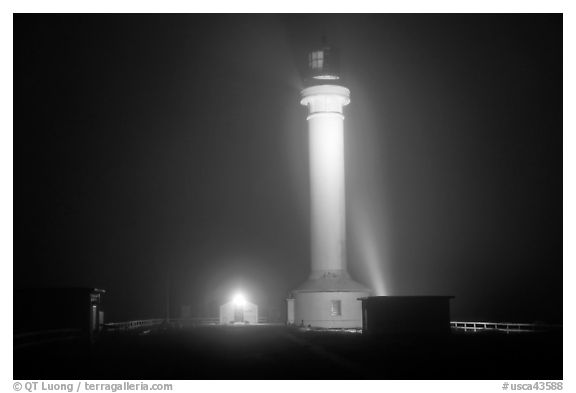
(370,256)
(181,151)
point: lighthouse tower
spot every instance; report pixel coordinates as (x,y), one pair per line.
(329,298)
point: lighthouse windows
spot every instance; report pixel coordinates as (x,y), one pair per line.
(336,308)
(316,60)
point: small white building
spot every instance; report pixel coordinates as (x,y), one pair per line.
(238,311)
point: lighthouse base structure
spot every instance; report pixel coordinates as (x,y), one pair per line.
(327,302)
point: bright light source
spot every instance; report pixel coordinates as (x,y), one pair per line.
(239,300)
(327,77)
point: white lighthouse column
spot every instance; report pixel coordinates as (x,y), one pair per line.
(329,298)
(327,184)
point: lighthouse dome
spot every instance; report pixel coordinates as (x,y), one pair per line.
(323,64)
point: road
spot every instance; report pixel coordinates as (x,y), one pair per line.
(278,352)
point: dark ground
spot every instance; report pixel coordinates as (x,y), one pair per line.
(278,352)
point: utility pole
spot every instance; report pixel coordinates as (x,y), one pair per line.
(168,297)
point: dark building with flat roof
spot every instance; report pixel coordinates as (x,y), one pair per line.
(406,315)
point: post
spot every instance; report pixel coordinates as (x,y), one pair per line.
(168,297)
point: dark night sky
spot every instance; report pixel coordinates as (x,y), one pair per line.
(156,145)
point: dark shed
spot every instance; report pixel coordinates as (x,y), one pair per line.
(406,315)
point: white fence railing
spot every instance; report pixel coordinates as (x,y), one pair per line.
(132,325)
(149,323)
(507,327)
(208,320)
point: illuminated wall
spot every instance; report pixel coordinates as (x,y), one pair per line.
(232,312)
